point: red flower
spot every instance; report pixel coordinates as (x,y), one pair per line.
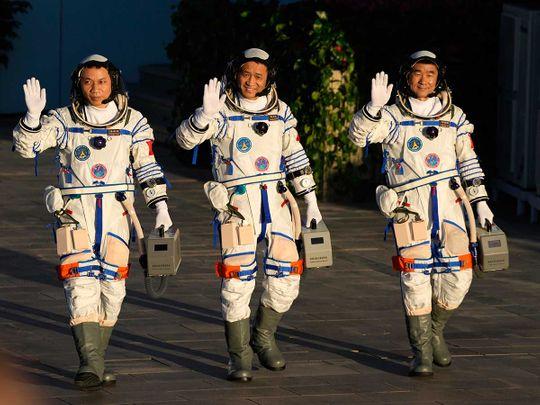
(338,48)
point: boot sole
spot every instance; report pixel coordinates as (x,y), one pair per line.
(443,365)
(85,385)
(420,374)
(108,383)
(275,368)
(89,388)
(267,366)
(240,379)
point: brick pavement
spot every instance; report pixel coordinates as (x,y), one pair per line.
(344,338)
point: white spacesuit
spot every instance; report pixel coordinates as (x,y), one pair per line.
(255,147)
(101,147)
(427,151)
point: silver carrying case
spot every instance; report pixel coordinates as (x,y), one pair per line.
(493,254)
(317,246)
(163,252)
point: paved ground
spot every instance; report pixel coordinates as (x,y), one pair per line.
(344,338)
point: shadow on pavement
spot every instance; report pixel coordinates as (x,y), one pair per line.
(37,270)
(368,356)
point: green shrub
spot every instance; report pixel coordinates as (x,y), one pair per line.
(8,25)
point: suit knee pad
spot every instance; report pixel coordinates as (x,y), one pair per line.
(280,293)
(83,299)
(235,298)
(416,293)
(112,296)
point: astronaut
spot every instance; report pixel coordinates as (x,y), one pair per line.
(255,149)
(428,154)
(102,145)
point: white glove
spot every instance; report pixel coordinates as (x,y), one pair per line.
(387,200)
(312,211)
(35,98)
(162,215)
(484,213)
(217,195)
(212,103)
(380,93)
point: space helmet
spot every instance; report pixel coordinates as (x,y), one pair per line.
(95,60)
(421,57)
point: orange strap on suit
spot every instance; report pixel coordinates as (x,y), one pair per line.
(227,271)
(297,267)
(70,270)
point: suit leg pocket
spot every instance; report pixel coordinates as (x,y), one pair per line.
(455,239)
(116,250)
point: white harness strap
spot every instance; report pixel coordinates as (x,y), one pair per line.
(432,178)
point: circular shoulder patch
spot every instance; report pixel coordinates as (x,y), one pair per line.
(99,171)
(432,160)
(243,144)
(82,153)
(262,164)
(414,144)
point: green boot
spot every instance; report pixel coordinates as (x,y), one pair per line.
(240,353)
(263,340)
(105,335)
(419,330)
(441,354)
(87,341)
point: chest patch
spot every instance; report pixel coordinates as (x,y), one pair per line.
(432,160)
(82,153)
(414,144)
(243,144)
(262,164)
(98,171)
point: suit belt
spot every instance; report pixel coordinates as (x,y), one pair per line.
(258,178)
(98,189)
(423,181)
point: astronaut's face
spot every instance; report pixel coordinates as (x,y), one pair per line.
(96,85)
(423,79)
(251,79)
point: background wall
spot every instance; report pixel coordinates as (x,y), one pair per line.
(56,34)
